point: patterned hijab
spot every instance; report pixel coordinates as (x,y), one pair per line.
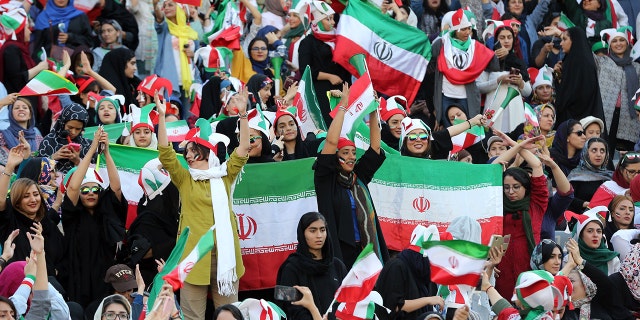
(586,171)
(630,271)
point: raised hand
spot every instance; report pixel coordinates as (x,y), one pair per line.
(161,105)
(36,240)
(9,246)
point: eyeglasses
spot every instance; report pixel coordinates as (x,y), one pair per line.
(259,49)
(632,172)
(515,188)
(579,133)
(254,139)
(415,136)
(87,190)
(114,316)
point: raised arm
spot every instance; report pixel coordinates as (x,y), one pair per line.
(374,131)
(112,171)
(244,145)
(73,190)
(478,120)
(14,160)
(161,106)
(333,135)
(86,68)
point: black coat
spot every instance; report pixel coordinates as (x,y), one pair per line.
(79,30)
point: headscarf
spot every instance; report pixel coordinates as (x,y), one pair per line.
(295,32)
(598,257)
(511,60)
(598,14)
(321,10)
(112,69)
(578,91)
(559,151)
(259,66)
(10,134)
(630,271)
(40,170)
(465,228)
(53,15)
(630,75)
(586,171)
(184,33)
(24,51)
(118,42)
(584,304)
(541,253)
(520,207)
(118,299)
(11,277)
(255,83)
(275,7)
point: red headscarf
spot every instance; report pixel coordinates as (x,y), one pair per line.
(24,50)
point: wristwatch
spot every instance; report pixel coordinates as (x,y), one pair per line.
(581,265)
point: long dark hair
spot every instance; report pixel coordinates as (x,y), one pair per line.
(521,176)
(235,312)
(305,221)
(11,305)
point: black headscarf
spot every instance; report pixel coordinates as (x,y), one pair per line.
(578,92)
(302,251)
(511,60)
(559,149)
(112,69)
(255,83)
(211,103)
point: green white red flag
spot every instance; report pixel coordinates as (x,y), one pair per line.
(48,83)
(396,53)
(177,276)
(456,262)
(362,101)
(308,112)
(467,138)
(362,277)
(171,263)
(565,23)
(531,116)
(177,130)
(362,310)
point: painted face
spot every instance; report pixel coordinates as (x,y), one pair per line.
(593,131)
(592,234)
(597,153)
(74,127)
(347,158)
(259,51)
(577,138)
(265,93)
(506,39)
(30,202)
(169,9)
(131,68)
(255,140)
(618,45)
(315,235)
(108,33)
(6,313)
(115,309)
(497,148)
(463,34)
(21,113)
(623,214)
(90,194)
(417,142)
(107,112)
(395,125)
(194,159)
(455,113)
(544,93)
(565,43)
(287,126)
(142,137)
(590,5)
(513,189)
(328,23)
(515,6)
(554,263)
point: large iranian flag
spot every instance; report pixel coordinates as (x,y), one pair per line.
(308,109)
(435,192)
(396,53)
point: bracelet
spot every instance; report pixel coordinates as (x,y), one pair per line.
(343,108)
(488,289)
(3,262)
(8,174)
(469,122)
(243,116)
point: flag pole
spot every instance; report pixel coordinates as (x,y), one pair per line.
(330,306)
(499,112)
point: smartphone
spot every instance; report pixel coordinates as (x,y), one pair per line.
(496,241)
(286,293)
(505,242)
(74,146)
(515,71)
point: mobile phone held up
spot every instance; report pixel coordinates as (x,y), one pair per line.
(74,146)
(286,293)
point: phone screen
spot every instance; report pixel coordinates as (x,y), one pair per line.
(285,293)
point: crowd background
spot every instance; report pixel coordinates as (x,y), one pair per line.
(569,146)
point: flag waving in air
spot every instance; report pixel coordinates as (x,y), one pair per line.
(177,276)
(467,138)
(307,107)
(48,83)
(361,278)
(455,262)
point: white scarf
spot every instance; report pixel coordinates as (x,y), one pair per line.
(456,58)
(224,242)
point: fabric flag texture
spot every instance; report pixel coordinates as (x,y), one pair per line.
(565,23)
(456,262)
(308,111)
(177,276)
(227,26)
(362,310)
(467,138)
(177,130)
(171,263)
(362,101)
(48,83)
(509,109)
(396,53)
(530,114)
(361,279)
(196,3)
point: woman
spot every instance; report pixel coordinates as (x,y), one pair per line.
(110,36)
(577,73)
(60,23)
(25,208)
(61,144)
(525,202)
(211,183)
(547,255)
(259,56)
(588,232)
(455,82)
(261,90)
(142,131)
(392,113)
(591,17)
(22,125)
(626,281)
(93,218)
(274,13)
(546,115)
(475,152)
(171,26)
(567,145)
(313,265)
(628,167)
(621,214)
(593,127)
(43,171)
(228,312)
(618,80)
(405,281)
(8,309)
(109,110)
(341,181)
(431,19)
(292,145)
(316,51)
(547,50)
(297,30)
(590,173)
(543,91)
(119,68)
(418,142)
(259,129)
(113,307)
(530,22)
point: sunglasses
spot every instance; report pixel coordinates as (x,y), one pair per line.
(254,139)
(87,190)
(415,136)
(259,49)
(579,133)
